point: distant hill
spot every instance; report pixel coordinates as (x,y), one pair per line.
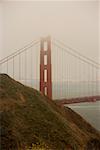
(27,117)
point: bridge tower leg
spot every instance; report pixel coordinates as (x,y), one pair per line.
(45,67)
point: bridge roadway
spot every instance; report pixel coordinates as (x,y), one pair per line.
(77,100)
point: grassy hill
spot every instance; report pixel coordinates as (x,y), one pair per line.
(27,117)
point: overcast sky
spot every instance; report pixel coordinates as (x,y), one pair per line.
(75,23)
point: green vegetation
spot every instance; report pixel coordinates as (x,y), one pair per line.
(28,118)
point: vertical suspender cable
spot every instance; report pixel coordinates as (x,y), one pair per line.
(36,68)
(88,81)
(81,80)
(13,66)
(61,75)
(25,67)
(19,66)
(1,68)
(92,92)
(7,65)
(57,82)
(69,80)
(65,65)
(31,65)
(82,83)
(84,80)
(76,78)
(97,81)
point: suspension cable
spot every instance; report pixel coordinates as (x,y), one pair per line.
(76,52)
(74,55)
(19,51)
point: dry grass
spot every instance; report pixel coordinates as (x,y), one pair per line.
(28,117)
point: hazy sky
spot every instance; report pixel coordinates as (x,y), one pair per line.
(75,23)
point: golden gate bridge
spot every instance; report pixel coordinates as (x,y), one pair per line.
(56,70)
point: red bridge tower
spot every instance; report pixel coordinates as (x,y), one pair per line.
(45,67)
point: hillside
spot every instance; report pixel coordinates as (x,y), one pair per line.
(27,117)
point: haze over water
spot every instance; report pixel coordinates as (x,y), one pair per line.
(89,111)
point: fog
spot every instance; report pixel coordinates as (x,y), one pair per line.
(74,23)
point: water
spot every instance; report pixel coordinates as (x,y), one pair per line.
(89,111)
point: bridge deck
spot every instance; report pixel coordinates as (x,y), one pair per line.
(78,100)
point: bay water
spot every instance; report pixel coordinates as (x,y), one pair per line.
(90,111)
